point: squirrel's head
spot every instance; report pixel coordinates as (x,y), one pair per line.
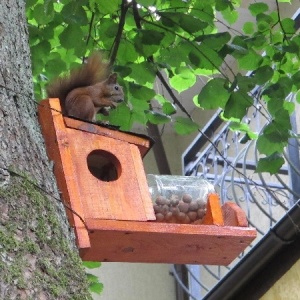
(114,90)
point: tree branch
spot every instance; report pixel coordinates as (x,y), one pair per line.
(116,44)
(152,129)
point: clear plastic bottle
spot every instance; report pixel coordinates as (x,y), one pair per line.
(179,199)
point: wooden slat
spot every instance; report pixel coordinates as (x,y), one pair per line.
(142,183)
(57,145)
(214,215)
(234,215)
(166,243)
(143,143)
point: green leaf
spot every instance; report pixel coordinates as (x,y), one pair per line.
(289,26)
(71,36)
(298,97)
(147,42)
(191,24)
(209,58)
(186,21)
(257,8)
(108,7)
(42,15)
(230,15)
(271,163)
(244,83)
(250,61)
(150,37)
(263,74)
(146,2)
(272,140)
(223,5)
(184,125)
(142,72)
(92,278)
(121,116)
(157,118)
(123,71)
(74,13)
(289,106)
(183,80)
(242,127)
(214,41)
(264,22)
(248,27)
(55,67)
(127,52)
(169,108)
(237,105)
(141,92)
(91,264)
(96,287)
(214,94)
(280,89)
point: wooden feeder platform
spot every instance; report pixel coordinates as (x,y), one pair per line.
(117,221)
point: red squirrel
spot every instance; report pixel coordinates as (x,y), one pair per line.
(87,90)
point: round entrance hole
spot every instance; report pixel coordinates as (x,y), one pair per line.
(104,165)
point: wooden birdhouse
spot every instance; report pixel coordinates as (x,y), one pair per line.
(101,176)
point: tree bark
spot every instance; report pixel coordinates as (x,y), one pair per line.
(38,257)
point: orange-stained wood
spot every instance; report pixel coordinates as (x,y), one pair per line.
(126,198)
(57,145)
(116,213)
(153,242)
(214,213)
(143,143)
(234,215)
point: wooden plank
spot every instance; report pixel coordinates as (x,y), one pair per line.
(166,243)
(234,215)
(214,215)
(94,195)
(144,143)
(56,141)
(142,183)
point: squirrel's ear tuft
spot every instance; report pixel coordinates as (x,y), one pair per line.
(112,78)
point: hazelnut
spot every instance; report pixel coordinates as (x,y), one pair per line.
(201,213)
(201,203)
(193,206)
(161,200)
(164,209)
(175,211)
(187,198)
(181,217)
(157,208)
(174,202)
(184,207)
(159,217)
(192,215)
(175,198)
(186,220)
(168,216)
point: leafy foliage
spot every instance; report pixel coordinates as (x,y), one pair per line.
(177,41)
(94,285)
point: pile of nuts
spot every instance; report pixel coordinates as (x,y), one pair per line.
(175,210)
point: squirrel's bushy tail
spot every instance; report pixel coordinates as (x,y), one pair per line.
(95,70)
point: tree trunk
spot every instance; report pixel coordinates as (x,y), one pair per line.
(38,257)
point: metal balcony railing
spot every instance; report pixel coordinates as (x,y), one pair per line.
(263,197)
